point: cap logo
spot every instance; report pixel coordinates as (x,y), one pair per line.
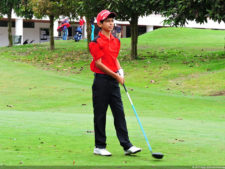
(104,13)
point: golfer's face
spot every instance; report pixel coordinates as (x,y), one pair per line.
(108,24)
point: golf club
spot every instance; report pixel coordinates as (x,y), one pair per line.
(155,155)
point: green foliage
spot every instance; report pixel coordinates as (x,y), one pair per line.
(7,6)
(21,8)
(24,9)
(180,11)
(69,8)
(54,8)
(126,9)
(90,8)
(43,8)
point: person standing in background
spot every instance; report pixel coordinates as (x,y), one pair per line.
(81,22)
(65,22)
(118,31)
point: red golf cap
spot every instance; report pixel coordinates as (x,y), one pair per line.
(104,14)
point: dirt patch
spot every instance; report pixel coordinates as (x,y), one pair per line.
(219,93)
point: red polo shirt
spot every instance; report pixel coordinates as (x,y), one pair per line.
(106,49)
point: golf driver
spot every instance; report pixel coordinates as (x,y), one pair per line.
(155,155)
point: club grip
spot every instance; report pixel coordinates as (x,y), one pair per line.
(125,88)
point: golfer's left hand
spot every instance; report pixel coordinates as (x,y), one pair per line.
(121,72)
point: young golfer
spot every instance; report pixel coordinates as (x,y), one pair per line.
(105,90)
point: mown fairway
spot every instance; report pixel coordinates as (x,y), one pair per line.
(177,87)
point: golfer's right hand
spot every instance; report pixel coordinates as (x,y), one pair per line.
(120,79)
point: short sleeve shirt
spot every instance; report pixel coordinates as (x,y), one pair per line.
(106,49)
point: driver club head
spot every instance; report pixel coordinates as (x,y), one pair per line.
(157,155)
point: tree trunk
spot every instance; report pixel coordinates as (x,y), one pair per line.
(52,42)
(88,31)
(10,28)
(134,36)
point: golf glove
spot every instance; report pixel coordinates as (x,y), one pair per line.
(120,72)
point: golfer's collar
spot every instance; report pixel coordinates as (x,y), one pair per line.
(104,37)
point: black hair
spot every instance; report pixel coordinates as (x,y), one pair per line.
(109,16)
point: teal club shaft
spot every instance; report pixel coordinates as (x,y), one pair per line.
(135,112)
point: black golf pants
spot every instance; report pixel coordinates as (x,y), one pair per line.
(106,91)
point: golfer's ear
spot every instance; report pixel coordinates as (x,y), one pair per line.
(99,24)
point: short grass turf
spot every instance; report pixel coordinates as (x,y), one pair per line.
(46,110)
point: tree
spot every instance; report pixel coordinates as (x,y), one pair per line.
(20,9)
(48,8)
(53,9)
(178,12)
(24,9)
(6,9)
(131,10)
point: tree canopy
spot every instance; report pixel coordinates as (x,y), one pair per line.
(178,12)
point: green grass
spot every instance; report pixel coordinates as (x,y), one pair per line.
(184,39)
(46,108)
